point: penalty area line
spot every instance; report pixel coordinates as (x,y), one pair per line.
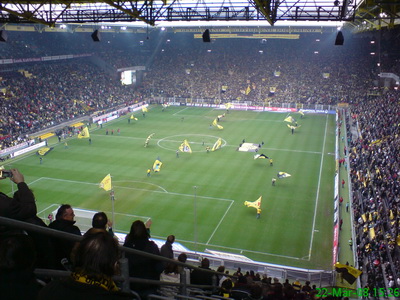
(220,221)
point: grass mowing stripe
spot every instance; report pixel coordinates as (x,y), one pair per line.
(318,189)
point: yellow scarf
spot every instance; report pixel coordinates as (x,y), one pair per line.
(104,282)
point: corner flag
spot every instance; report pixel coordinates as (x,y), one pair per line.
(106,183)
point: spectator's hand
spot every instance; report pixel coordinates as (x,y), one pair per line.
(148,223)
(17,176)
(109,224)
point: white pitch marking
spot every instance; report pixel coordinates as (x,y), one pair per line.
(138,189)
(220,221)
(174,114)
(318,187)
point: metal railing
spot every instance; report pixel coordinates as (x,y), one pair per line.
(124,277)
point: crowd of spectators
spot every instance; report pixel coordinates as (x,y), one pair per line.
(279,71)
(56,93)
(373,127)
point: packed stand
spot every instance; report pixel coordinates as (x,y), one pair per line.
(374,170)
(218,72)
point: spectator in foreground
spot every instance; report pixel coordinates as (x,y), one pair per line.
(17,257)
(63,248)
(186,272)
(140,266)
(171,275)
(101,221)
(166,249)
(22,206)
(95,261)
(200,277)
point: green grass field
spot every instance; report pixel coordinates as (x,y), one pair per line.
(295,227)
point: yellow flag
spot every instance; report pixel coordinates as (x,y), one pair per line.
(349,273)
(185,147)
(157,166)
(144,109)
(106,183)
(290,119)
(217,145)
(256,204)
(84,134)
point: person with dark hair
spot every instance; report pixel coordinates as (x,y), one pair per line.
(186,271)
(95,261)
(166,249)
(17,257)
(64,222)
(170,274)
(277,289)
(288,290)
(138,238)
(200,277)
(226,287)
(221,278)
(100,220)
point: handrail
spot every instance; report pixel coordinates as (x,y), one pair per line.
(125,276)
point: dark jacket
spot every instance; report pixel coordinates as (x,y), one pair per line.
(143,267)
(63,248)
(202,278)
(166,250)
(21,207)
(18,285)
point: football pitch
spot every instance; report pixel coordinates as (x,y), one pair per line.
(199,197)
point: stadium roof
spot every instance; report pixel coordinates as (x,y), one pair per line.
(371,14)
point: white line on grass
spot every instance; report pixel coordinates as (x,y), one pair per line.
(220,221)
(12,192)
(46,209)
(77,208)
(291,150)
(149,183)
(179,111)
(138,189)
(91,183)
(317,196)
(185,241)
(206,135)
(242,250)
(178,194)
